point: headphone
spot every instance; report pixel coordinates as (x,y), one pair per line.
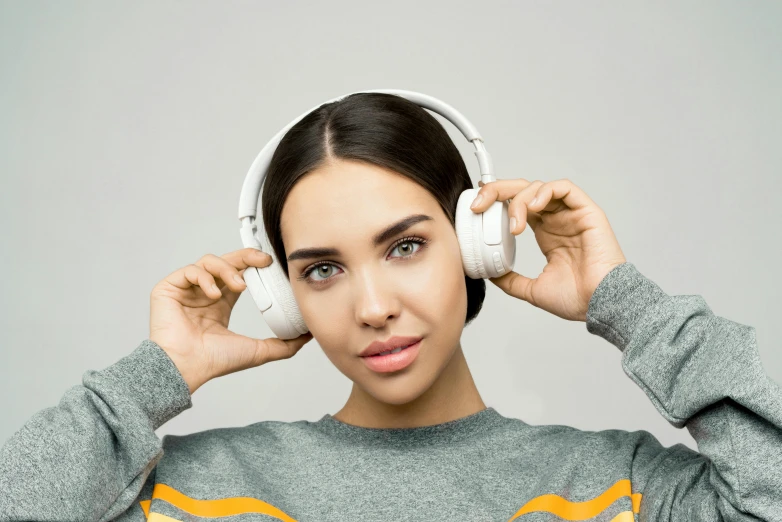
(487,247)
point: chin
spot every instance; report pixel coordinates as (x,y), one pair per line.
(396,392)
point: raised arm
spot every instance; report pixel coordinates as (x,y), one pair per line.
(89,457)
(702,372)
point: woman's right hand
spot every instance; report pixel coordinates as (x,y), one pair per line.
(189,319)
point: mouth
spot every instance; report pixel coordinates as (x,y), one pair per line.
(396,350)
(393,360)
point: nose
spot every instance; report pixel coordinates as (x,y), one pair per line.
(375,298)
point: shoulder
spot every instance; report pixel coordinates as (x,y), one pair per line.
(262,436)
(568,440)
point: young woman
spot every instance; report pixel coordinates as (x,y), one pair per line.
(359,206)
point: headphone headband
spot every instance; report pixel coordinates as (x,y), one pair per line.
(251,188)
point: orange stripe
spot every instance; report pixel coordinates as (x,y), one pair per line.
(551,503)
(224,507)
(579,510)
(636,502)
(624,516)
(157,517)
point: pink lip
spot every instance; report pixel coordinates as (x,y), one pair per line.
(391,344)
(394,361)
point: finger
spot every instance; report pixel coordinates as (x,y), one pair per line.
(551,195)
(500,190)
(515,284)
(274,349)
(193,275)
(225,273)
(229,267)
(241,260)
(248,257)
(518,208)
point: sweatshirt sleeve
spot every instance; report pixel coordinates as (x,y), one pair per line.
(89,457)
(702,372)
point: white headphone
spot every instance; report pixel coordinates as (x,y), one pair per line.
(487,246)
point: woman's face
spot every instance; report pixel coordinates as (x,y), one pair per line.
(409,284)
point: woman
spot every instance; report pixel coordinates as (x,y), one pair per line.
(359,206)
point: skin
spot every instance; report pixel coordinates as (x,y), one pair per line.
(370,292)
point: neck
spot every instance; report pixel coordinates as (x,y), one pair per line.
(452,396)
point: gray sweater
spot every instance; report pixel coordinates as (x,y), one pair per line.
(96,456)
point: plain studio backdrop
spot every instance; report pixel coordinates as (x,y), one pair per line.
(127,130)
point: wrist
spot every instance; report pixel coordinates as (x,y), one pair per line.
(189,372)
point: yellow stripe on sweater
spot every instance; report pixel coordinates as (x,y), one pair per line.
(157,517)
(551,503)
(568,510)
(224,507)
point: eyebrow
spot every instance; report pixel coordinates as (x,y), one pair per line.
(379,238)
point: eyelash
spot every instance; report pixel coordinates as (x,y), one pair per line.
(410,239)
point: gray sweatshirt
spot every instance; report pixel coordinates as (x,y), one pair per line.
(96,456)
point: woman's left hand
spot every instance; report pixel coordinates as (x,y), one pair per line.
(572,232)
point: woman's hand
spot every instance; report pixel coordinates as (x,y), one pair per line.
(189,319)
(572,232)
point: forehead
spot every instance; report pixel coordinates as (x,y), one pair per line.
(349,200)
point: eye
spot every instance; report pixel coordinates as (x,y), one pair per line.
(408,246)
(323,268)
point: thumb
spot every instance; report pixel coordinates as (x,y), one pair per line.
(515,284)
(274,349)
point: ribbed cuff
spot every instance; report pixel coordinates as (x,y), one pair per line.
(619,303)
(149,378)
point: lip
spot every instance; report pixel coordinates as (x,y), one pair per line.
(394,361)
(391,344)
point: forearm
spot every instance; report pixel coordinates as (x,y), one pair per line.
(89,456)
(703,372)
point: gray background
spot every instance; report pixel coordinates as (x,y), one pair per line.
(127,130)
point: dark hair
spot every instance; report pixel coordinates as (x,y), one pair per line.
(381,129)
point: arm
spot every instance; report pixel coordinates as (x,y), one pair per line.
(702,372)
(89,457)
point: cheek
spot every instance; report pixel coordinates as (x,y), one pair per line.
(329,319)
(435,289)
(327,314)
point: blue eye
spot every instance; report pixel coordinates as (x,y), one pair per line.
(326,269)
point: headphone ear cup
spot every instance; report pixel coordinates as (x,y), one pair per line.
(276,282)
(469,233)
(488,247)
(273,295)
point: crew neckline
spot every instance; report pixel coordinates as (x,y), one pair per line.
(452,431)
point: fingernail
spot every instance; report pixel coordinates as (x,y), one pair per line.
(260,253)
(534,200)
(477,201)
(512,224)
(238,279)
